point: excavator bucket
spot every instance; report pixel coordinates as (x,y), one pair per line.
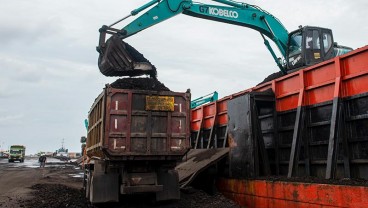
(118,58)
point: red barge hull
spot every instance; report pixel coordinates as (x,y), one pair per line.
(310,123)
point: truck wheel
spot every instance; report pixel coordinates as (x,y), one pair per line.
(88,176)
(10,161)
(84,180)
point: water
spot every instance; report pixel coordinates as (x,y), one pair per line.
(32,162)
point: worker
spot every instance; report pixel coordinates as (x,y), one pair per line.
(42,161)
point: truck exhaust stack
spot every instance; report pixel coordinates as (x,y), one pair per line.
(118,58)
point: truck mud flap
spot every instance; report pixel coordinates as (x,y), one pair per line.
(196,161)
(118,58)
(103,187)
(169,180)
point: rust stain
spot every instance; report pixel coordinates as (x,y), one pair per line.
(295,195)
(271,194)
(231,141)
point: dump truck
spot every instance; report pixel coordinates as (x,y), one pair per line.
(17,153)
(135,139)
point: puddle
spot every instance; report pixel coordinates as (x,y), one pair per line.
(79,175)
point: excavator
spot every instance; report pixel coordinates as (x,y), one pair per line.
(204,99)
(301,48)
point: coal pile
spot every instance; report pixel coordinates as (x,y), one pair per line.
(55,196)
(139,84)
(272,77)
(193,198)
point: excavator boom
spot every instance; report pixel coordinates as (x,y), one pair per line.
(117,58)
(304,47)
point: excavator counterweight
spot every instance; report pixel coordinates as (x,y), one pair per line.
(118,58)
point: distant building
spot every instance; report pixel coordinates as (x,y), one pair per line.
(74,155)
(61,152)
(4,154)
(50,154)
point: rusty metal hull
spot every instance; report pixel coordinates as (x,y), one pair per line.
(279,194)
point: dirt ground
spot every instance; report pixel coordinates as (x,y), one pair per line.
(59,184)
(16,179)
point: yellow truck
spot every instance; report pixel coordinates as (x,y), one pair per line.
(17,152)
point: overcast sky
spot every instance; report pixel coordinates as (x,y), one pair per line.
(49,75)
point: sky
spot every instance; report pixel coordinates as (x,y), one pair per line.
(50,78)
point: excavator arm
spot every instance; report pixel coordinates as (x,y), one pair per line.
(132,63)
(204,99)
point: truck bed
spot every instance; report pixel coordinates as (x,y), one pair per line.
(127,124)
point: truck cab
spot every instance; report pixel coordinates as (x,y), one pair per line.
(311,45)
(17,153)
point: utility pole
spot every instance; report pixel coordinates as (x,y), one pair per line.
(1,146)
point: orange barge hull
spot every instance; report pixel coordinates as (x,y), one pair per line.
(278,194)
(314,124)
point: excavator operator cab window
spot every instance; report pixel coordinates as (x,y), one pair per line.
(295,50)
(295,46)
(327,41)
(328,44)
(313,52)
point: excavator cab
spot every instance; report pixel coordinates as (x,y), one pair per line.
(118,58)
(310,45)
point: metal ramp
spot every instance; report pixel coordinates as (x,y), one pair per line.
(196,161)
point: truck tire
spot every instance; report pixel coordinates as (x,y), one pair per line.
(87,188)
(85,181)
(10,160)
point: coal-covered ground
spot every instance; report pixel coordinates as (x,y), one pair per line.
(139,84)
(59,184)
(56,195)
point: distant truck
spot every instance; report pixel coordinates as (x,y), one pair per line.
(17,152)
